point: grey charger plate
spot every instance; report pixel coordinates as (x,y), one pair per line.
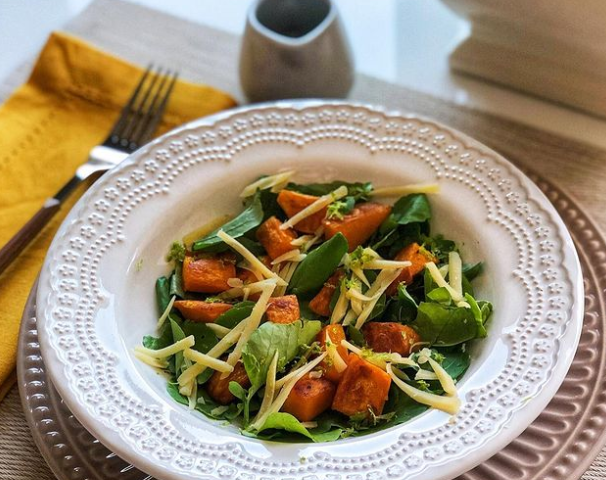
(559,445)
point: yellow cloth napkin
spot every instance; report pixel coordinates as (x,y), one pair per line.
(47,128)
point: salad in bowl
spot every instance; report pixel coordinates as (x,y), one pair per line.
(321,311)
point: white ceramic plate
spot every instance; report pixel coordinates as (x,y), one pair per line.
(96,299)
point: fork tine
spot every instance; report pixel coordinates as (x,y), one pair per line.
(137,112)
(114,135)
(137,135)
(156,116)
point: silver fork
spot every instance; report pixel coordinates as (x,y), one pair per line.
(137,122)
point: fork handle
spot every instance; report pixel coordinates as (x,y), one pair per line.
(28,232)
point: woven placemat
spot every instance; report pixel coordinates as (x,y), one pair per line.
(210,56)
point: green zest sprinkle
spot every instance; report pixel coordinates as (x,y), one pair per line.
(176,253)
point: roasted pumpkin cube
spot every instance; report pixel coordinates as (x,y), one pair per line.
(418,257)
(320,304)
(283,309)
(336,333)
(390,337)
(293,202)
(208,273)
(364,387)
(309,398)
(358,225)
(218,388)
(201,311)
(276,242)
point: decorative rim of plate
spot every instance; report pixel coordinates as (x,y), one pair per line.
(70,294)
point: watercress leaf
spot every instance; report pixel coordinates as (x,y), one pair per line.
(235,314)
(164,340)
(205,338)
(237,390)
(356,336)
(477,315)
(409,209)
(178,334)
(486,309)
(456,362)
(403,406)
(428,284)
(320,264)
(173,390)
(269,202)
(439,246)
(360,191)
(269,338)
(285,421)
(176,281)
(472,270)
(443,325)
(467,287)
(306,312)
(250,218)
(255,247)
(403,308)
(440,295)
(162,294)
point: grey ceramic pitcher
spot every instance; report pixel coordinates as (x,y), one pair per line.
(294,49)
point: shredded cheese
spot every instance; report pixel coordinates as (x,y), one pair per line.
(349,317)
(384,280)
(166,312)
(380,264)
(455,273)
(439,279)
(286,274)
(294,255)
(277,180)
(302,240)
(193,398)
(219,330)
(333,355)
(285,391)
(448,404)
(443,270)
(219,349)
(341,306)
(446,380)
(315,207)
(168,351)
(207,360)
(400,191)
(355,294)
(255,287)
(252,323)
(270,386)
(249,256)
(425,375)
(246,266)
(151,361)
(379,359)
(235,282)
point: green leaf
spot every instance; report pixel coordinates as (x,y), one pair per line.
(440,295)
(404,308)
(237,390)
(288,423)
(162,294)
(379,307)
(477,315)
(269,202)
(486,309)
(164,340)
(439,246)
(409,209)
(320,264)
(445,326)
(404,407)
(205,340)
(471,271)
(235,314)
(360,191)
(428,284)
(455,363)
(173,390)
(246,221)
(356,336)
(340,208)
(306,312)
(255,247)
(269,338)
(177,335)
(176,281)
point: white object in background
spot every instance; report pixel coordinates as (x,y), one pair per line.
(295,49)
(550,48)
